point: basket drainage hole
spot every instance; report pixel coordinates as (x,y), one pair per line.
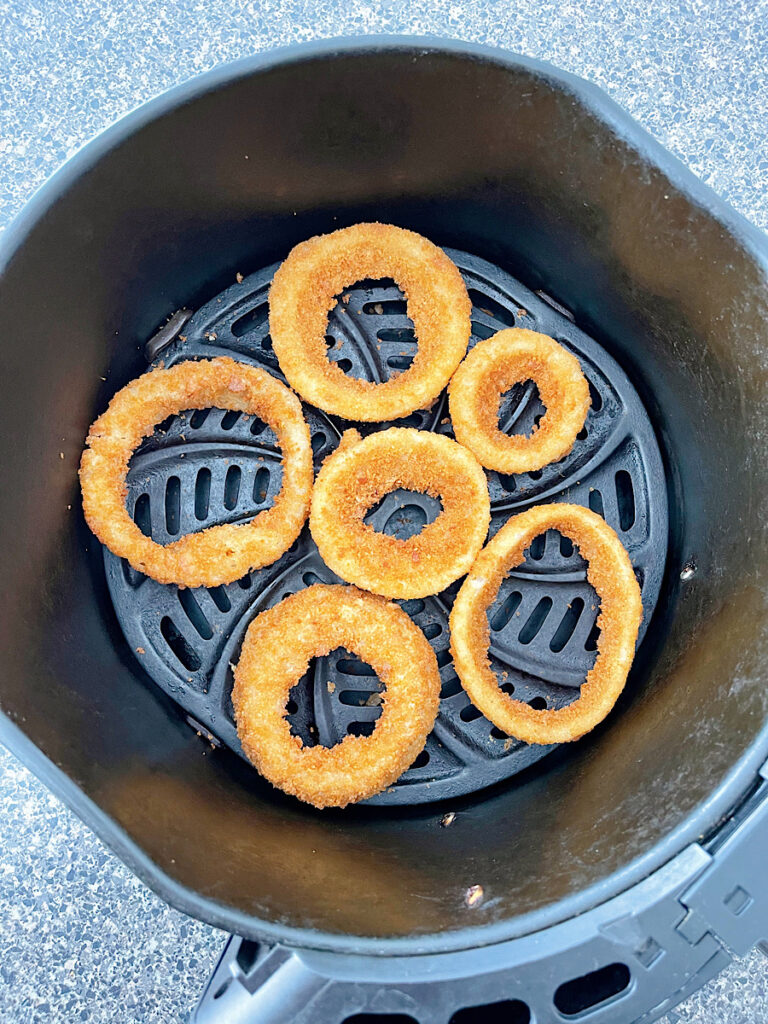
(500,614)
(361,728)
(625,498)
(229,419)
(596,502)
(403,513)
(386,307)
(202,493)
(261,486)
(142,514)
(173,505)
(470,713)
(345,365)
(348,705)
(318,440)
(300,708)
(491,308)
(398,336)
(179,645)
(520,410)
(250,321)
(506,1011)
(199,416)
(568,624)
(232,487)
(535,621)
(592,989)
(450,688)
(195,613)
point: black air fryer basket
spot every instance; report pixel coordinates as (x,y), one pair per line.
(601,881)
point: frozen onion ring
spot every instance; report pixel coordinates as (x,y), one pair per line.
(220,554)
(360,472)
(491,368)
(610,573)
(276,652)
(304,291)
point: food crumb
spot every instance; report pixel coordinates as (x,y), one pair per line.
(448,819)
(182,337)
(211,336)
(507,742)
(473,895)
(61,455)
(522,312)
(140,650)
(331,686)
(373,701)
(239,277)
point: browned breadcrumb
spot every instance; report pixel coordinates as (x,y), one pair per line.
(276,653)
(489,371)
(360,472)
(220,554)
(610,572)
(304,290)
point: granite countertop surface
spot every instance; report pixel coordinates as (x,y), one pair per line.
(81,938)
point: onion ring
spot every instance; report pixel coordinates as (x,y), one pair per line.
(610,573)
(220,554)
(360,472)
(276,653)
(304,290)
(490,369)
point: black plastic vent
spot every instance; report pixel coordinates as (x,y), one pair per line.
(590,990)
(506,1011)
(210,467)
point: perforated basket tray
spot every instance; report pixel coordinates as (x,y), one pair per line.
(212,467)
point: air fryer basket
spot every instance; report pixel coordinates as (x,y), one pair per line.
(539,175)
(203,468)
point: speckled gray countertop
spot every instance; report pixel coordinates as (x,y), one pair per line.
(80,938)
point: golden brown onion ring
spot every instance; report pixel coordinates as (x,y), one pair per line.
(222,553)
(305,288)
(360,472)
(610,573)
(276,653)
(490,369)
